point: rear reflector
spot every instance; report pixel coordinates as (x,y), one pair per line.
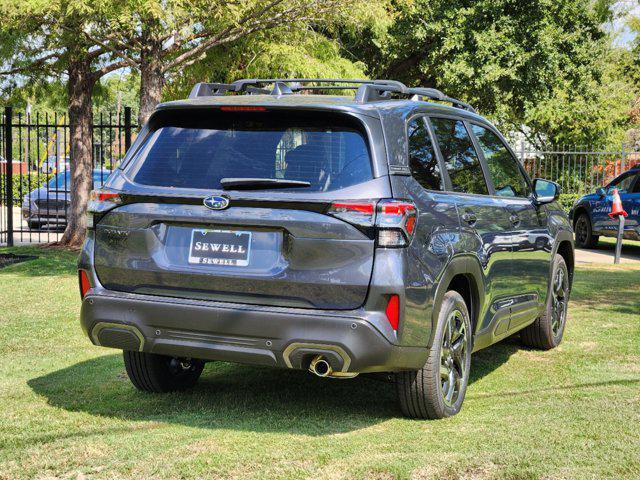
(83,279)
(393,311)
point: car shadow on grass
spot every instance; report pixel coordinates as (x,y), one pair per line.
(239,397)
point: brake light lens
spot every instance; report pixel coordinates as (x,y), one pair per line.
(396,222)
(101,201)
(85,285)
(356,213)
(393,311)
(239,108)
(395,219)
(104,196)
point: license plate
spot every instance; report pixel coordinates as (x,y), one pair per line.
(220,247)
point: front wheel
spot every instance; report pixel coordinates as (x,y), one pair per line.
(437,390)
(158,373)
(584,233)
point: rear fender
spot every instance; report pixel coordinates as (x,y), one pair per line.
(460,265)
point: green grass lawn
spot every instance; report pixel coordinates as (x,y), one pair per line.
(67,409)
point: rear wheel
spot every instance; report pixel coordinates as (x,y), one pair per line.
(437,390)
(546,332)
(157,373)
(584,233)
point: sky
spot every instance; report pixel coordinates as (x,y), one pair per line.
(625,8)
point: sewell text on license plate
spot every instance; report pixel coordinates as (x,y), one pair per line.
(220,247)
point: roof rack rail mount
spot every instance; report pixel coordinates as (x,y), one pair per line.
(366,90)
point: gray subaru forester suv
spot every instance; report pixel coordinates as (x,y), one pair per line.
(272,222)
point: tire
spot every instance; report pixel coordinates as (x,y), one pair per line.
(584,236)
(34,226)
(547,331)
(159,374)
(422,393)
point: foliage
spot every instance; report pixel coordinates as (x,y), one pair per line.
(545,64)
(567,200)
(281,53)
(160,38)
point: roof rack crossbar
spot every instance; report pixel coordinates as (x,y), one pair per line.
(366,90)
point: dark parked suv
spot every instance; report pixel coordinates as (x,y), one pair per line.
(263,222)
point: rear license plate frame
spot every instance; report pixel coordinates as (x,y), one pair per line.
(225,256)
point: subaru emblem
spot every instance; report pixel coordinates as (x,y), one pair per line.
(215,202)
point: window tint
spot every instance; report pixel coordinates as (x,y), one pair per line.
(622,184)
(200,151)
(636,187)
(503,168)
(422,159)
(461,159)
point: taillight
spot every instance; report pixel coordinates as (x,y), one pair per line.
(396,222)
(395,219)
(104,196)
(393,311)
(356,213)
(101,201)
(83,280)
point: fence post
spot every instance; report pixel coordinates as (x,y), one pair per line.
(623,157)
(8,144)
(127,128)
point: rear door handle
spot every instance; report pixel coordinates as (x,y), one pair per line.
(470,218)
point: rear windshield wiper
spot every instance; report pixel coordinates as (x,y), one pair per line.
(261,183)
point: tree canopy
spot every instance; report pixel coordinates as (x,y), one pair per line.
(543,66)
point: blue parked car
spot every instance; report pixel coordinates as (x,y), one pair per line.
(590,214)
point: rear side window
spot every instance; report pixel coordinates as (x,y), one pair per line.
(460,157)
(422,159)
(329,152)
(507,178)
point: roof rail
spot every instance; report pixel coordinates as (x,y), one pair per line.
(366,90)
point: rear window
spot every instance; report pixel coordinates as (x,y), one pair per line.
(328,151)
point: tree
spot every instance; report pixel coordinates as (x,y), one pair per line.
(48,40)
(506,58)
(162,37)
(285,53)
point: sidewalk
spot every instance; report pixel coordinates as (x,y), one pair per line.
(606,251)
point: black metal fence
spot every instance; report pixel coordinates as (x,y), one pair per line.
(34,169)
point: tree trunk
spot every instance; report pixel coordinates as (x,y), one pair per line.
(79,87)
(151,82)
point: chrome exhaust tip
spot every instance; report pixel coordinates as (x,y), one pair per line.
(320,367)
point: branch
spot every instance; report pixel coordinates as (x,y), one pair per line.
(120,51)
(40,62)
(231,34)
(109,68)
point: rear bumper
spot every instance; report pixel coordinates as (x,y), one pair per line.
(272,336)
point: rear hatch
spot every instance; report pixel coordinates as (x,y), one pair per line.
(237,206)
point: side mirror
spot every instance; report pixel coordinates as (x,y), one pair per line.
(601,192)
(545,191)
